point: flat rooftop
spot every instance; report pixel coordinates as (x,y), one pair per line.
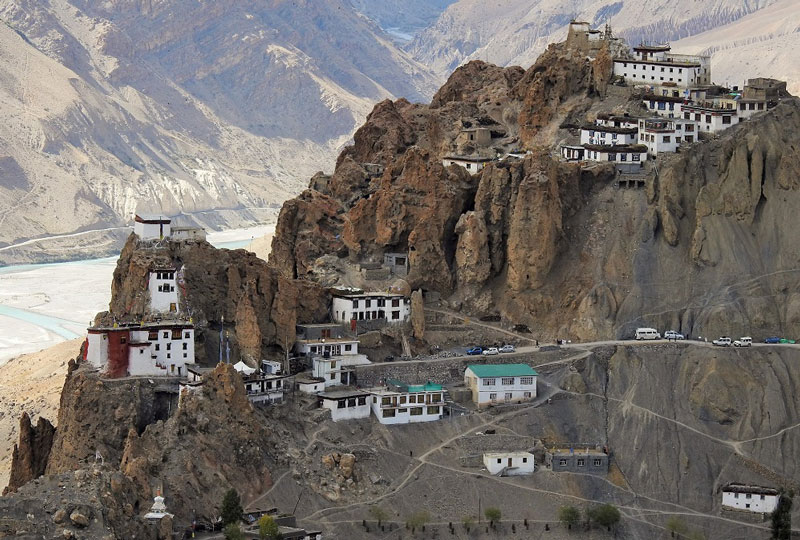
(343,393)
(560,451)
(492,455)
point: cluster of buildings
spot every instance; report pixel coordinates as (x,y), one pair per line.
(679,96)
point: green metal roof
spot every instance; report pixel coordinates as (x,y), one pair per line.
(427,387)
(502,370)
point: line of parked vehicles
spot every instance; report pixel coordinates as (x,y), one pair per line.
(724,341)
(490,351)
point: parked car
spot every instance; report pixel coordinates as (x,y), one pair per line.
(474,351)
(789,341)
(743,342)
(389,358)
(508,348)
(491,351)
(773,340)
(724,341)
(672,334)
(647,333)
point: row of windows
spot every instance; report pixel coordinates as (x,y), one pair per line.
(662,105)
(492,381)
(381,302)
(652,68)
(524,460)
(582,462)
(413,411)
(412,398)
(726,119)
(509,396)
(652,78)
(166,288)
(165,275)
(747,496)
(169,355)
(351,402)
(622,157)
(176,334)
(372,315)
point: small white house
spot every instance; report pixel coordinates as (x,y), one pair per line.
(710,118)
(571,152)
(509,463)
(750,498)
(271,367)
(337,370)
(608,135)
(152,226)
(310,385)
(473,164)
(400,403)
(183,234)
(371,306)
(346,404)
(265,388)
(153,349)
(163,288)
(500,383)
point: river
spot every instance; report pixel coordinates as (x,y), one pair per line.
(45,304)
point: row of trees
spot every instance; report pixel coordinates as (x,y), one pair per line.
(605,515)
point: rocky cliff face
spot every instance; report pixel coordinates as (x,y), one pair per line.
(259,306)
(551,245)
(30,455)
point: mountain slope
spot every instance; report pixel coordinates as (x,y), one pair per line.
(179,106)
(515,32)
(758,44)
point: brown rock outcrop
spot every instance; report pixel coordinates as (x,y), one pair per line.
(29,459)
(418,314)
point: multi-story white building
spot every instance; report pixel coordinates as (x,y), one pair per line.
(324,340)
(656,65)
(400,403)
(337,370)
(709,117)
(346,404)
(619,155)
(163,287)
(152,349)
(604,135)
(750,498)
(665,134)
(265,388)
(151,226)
(371,306)
(666,106)
(500,383)
(509,463)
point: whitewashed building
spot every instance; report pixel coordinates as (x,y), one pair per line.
(666,106)
(620,155)
(605,135)
(370,306)
(151,349)
(666,134)
(346,404)
(310,385)
(710,118)
(324,340)
(750,498)
(152,226)
(500,383)
(656,65)
(401,403)
(184,234)
(265,388)
(572,152)
(337,370)
(473,164)
(509,463)
(616,120)
(163,287)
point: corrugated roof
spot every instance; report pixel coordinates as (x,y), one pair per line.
(502,370)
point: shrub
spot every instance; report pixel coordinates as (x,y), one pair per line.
(569,516)
(493,514)
(606,515)
(232,532)
(268,529)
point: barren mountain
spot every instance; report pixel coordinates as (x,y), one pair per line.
(515,32)
(179,106)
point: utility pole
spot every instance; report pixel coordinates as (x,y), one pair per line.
(479,509)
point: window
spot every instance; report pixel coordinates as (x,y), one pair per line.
(382,302)
(493,396)
(386,401)
(748,496)
(491,381)
(158,347)
(433,410)
(436,398)
(388,413)
(562,462)
(524,460)
(612,157)
(499,460)
(760,106)
(355,304)
(395,315)
(597,462)
(348,348)
(402,411)
(635,157)
(368,303)
(185,346)
(508,396)
(341,404)
(735,495)
(526,394)
(623,157)
(581,462)
(362,400)
(351,402)
(508,380)
(412,399)
(396,302)
(332,376)
(689,127)
(169,355)
(185,355)
(708,119)
(141,351)
(667,138)
(166,335)
(762,497)
(726,119)
(416,411)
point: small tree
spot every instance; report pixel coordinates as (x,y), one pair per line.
(378,514)
(418,519)
(676,526)
(493,514)
(268,529)
(468,522)
(569,516)
(231,507)
(781,517)
(232,532)
(605,515)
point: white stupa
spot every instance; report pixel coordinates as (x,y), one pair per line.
(158,510)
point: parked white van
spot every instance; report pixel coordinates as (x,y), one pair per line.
(746,341)
(647,333)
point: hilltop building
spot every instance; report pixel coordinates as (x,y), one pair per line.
(266,389)
(387,308)
(152,226)
(163,287)
(750,498)
(473,164)
(583,38)
(656,65)
(500,383)
(665,134)
(401,403)
(509,463)
(151,349)
(586,459)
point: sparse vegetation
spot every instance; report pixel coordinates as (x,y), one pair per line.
(268,529)
(493,514)
(468,521)
(418,520)
(605,515)
(378,514)
(781,518)
(569,516)
(233,532)
(677,527)
(231,507)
